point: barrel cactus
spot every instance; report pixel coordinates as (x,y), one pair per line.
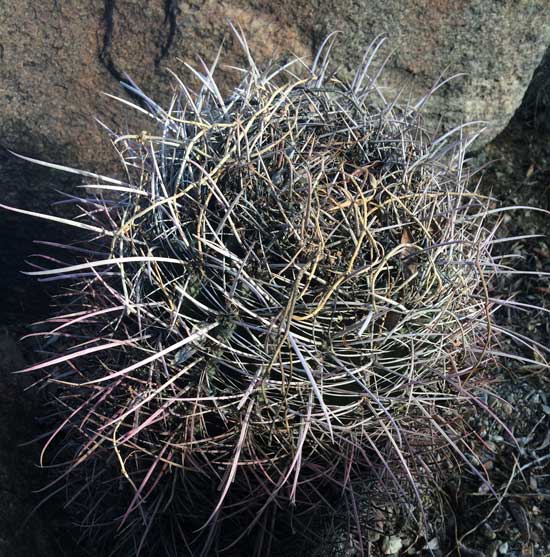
(282,299)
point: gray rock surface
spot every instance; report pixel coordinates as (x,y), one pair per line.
(496,44)
(56,57)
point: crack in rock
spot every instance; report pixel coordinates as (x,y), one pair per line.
(105,55)
(171,13)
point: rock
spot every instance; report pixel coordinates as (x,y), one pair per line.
(57,57)
(492,549)
(391,545)
(503,548)
(433,544)
(374,536)
(487,531)
(498,46)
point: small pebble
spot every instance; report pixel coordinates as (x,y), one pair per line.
(433,544)
(488,532)
(491,446)
(503,548)
(374,536)
(391,545)
(492,549)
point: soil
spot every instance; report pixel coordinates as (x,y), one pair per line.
(517,521)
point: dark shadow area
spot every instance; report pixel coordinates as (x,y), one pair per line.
(47,531)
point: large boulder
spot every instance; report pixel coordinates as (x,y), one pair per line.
(57,57)
(496,44)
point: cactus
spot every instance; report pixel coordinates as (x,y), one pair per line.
(284,301)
